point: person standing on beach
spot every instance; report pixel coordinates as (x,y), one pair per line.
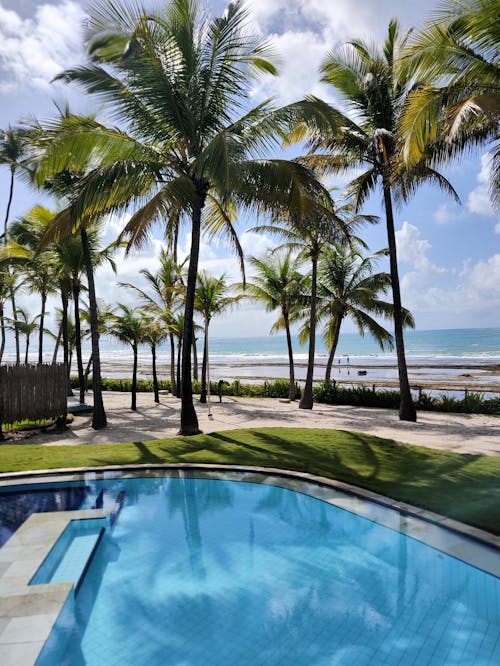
(220,388)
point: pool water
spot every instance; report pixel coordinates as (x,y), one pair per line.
(212,572)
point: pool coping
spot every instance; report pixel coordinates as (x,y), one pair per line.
(33,610)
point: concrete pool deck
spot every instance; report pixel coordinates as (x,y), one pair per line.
(461,433)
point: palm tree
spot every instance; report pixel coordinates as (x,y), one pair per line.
(25,234)
(26,327)
(176,79)
(168,290)
(13,153)
(348,287)
(375,86)
(279,285)
(456,103)
(153,333)
(211,298)
(310,236)
(128,328)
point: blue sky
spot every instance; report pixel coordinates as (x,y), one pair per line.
(449,254)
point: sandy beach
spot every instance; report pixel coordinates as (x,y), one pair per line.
(461,433)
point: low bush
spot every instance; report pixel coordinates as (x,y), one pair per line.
(327,393)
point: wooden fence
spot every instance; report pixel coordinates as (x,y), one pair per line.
(32,392)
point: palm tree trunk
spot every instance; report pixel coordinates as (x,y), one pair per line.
(134,380)
(57,345)
(98,414)
(155,376)
(2,331)
(203,394)
(7,212)
(407,410)
(179,383)
(333,349)
(195,360)
(16,328)
(64,325)
(306,401)
(42,324)
(291,367)
(27,349)
(189,420)
(87,372)
(173,381)
(75,287)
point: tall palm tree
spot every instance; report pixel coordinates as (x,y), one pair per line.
(211,298)
(167,297)
(177,79)
(14,155)
(456,103)
(279,285)
(309,236)
(349,287)
(374,85)
(127,327)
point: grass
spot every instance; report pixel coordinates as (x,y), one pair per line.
(463,487)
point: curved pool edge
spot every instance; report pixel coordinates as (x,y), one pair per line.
(463,529)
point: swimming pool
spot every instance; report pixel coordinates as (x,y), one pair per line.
(210,571)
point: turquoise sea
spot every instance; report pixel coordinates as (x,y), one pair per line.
(480,343)
(468,358)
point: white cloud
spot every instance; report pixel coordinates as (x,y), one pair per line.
(478,200)
(497,228)
(34,50)
(413,250)
(473,299)
(448,214)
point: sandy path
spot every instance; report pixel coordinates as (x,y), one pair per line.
(462,433)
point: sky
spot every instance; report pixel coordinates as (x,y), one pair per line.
(449,254)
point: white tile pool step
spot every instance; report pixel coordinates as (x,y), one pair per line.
(28,612)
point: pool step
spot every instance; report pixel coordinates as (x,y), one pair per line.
(69,559)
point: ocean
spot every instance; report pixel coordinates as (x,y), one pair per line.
(439,359)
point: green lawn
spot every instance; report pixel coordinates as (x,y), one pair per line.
(464,487)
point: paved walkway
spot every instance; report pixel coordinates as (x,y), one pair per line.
(462,433)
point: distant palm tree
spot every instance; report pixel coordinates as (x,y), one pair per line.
(456,103)
(348,287)
(374,85)
(309,236)
(26,327)
(154,333)
(127,327)
(167,297)
(279,285)
(211,298)
(177,80)
(25,234)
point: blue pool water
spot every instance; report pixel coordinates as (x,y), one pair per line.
(212,572)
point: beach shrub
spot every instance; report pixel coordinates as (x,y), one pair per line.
(125,384)
(427,402)
(328,393)
(359,396)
